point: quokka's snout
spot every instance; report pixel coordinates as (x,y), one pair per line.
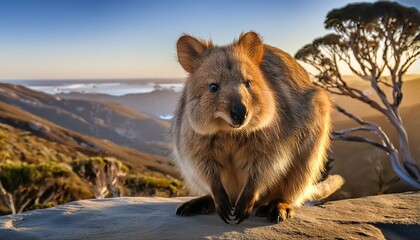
(238,113)
(235,113)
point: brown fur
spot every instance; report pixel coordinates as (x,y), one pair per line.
(276,155)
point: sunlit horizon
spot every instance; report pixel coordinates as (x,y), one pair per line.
(41,40)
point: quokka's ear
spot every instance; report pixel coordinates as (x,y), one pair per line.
(190,52)
(252,45)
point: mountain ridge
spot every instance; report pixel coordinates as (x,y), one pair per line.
(109,121)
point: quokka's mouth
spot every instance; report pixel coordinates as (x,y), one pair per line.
(230,122)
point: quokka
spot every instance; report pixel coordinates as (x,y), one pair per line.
(250,130)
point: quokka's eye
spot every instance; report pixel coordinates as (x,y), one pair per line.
(213,87)
(248,84)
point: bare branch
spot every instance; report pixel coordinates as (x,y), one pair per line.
(410,60)
(8,199)
(385,83)
(24,205)
(345,137)
(386,145)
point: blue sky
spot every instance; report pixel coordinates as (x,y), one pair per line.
(59,39)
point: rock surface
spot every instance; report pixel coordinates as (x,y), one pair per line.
(394,216)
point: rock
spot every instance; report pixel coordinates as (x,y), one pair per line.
(393,216)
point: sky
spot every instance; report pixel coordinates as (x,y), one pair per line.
(115,39)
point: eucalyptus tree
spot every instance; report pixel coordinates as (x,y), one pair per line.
(371,39)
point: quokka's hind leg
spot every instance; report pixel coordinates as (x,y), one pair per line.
(276,210)
(201,205)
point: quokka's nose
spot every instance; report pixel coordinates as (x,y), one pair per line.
(238,113)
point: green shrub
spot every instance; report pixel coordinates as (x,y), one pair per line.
(151,186)
(40,185)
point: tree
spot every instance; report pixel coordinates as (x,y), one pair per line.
(371,39)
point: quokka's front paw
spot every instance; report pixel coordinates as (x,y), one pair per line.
(244,207)
(276,211)
(222,205)
(201,205)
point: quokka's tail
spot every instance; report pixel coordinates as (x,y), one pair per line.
(327,187)
(323,189)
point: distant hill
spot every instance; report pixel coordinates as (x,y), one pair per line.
(110,121)
(157,103)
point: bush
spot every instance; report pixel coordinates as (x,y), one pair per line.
(153,186)
(28,186)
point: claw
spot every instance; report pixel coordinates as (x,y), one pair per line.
(222,203)
(223,215)
(244,208)
(240,220)
(224,220)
